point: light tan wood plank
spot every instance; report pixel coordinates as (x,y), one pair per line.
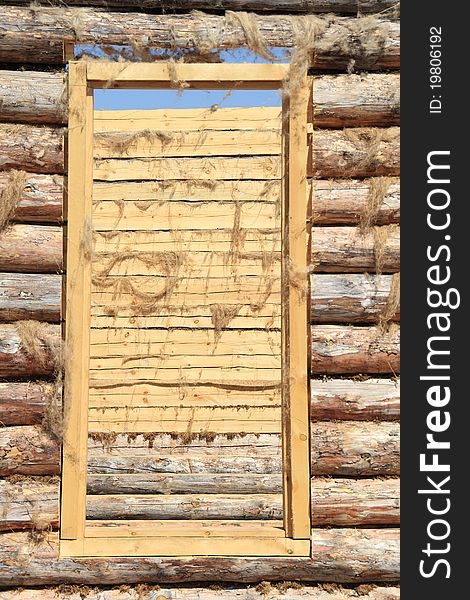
(297,452)
(181,546)
(127,342)
(194,75)
(106,316)
(78,303)
(220,240)
(112,216)
(155,143)
(197,190)
(217,528)
(141,394)
(186,420)
(197,265)
(211,168)
(187,119)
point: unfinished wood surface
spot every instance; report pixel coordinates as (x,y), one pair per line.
(17,361)
(353,299)
(40,200)
(348,349)
(152,143)
(341,449)
(346,202)
(347,249)
(356,449)
(78,292)
(30,296)
(371,554)
(39,35)
(369,99)
(164,169)
(33,97)
(28,450)
(353,152)
(373,399)
(356,152)
(26,248)
(284,591)
(33,503)
(31,148)
(336,349)
(23,403)
(295,6)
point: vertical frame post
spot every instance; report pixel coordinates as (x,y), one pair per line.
(78,291)
(296,423)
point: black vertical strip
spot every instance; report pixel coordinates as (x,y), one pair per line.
(435,129)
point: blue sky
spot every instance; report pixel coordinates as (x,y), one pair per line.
(153,99)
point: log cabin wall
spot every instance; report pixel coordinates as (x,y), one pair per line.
(355,302)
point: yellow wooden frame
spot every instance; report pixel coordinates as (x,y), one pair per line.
(293,538)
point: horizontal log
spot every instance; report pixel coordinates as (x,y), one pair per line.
(341,555)
(18,361)
(336,153)
(351,299)
(31,248)
(28,450)
(349,448)
(38,35)
(286,592)
(295,6)
(335,298)
(346,202)
(33,97)
(31,148)
(335,349)
(373,399)
(347,249)
(360,152)
(38,248)
(40,200)
(30,296)
(34,504)
(23,403)
(352,349)
(339,100)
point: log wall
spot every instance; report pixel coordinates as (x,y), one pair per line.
(354,319)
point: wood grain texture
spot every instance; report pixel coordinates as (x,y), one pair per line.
(369,99)
(346,249)
(30,296)
(15,361)
(337,202)
(335,502)
(39,35)
(294,6)
(31,248)
(348,349)
(38,248)
(373,399)
(41,200)
(33,97)
(23,403)
(28,450)
(353,152)
(370,555)
(31,148)
(355,449)
(306,592)
(335,349)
